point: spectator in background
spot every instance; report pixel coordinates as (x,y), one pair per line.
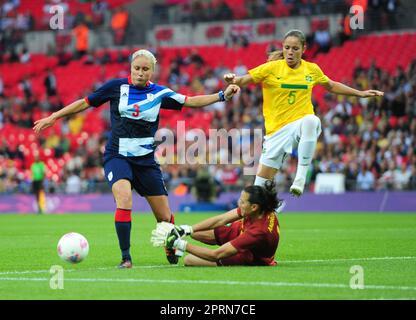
(50,83)
(195,58)
(365,179)
(13,57)
(240,69)
(224,12)
(99,9)
(26,86)
(375,14)
(1,116)
(204,188)
(63,57)
(351,173)
(38,174)
(24,56)
(391,12)
(323,39)
(401,177)
(119,23)
(81,34)
(73,184)
(1,87)
(412,180)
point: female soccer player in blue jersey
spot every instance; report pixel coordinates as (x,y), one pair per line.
(129,162)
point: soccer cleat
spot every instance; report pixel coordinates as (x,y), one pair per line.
(297,187)
(280,206)
(171,256)
(125,264)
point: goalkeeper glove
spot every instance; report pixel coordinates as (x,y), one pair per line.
(180,245)
(184,230)
(160,234)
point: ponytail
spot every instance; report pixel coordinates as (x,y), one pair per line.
(275,55)
(265,197)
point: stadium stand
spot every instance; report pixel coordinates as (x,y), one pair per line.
(378,133)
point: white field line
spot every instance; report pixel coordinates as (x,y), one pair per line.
(282,262)
(162,266)
(384,201)
(346,259)
(219,282)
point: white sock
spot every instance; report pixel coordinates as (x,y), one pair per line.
(260,181)
(306,150)
(310,128)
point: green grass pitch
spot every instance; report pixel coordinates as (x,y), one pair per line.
(315,255)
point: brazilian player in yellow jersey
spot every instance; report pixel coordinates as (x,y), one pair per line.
(289,118)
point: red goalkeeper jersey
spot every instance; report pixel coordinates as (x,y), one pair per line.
(255,239)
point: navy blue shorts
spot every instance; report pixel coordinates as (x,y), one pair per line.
(145,178)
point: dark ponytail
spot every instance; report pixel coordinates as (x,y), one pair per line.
(265,197)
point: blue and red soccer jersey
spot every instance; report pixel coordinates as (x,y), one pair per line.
(134,115)
(129,153)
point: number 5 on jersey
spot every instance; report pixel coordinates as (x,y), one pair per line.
(292,97)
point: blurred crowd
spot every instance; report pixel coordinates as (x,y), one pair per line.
(381,14)
(15,22)
(371,141)
(194,11)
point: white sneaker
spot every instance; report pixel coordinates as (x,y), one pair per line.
(297,187)
(280,207)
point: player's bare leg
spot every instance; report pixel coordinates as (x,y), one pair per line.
(193,261)
(207,237)
(265,173)
(309,132)
(123,197)
(162,212)
(122,194)
(160,207)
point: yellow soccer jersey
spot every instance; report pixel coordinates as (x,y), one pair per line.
(287,92)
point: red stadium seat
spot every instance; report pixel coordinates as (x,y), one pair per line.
(164,34)
(266,28)
(214,32)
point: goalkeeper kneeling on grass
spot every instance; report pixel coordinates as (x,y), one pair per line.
(247,235)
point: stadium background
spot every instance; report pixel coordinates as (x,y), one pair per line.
(370,142)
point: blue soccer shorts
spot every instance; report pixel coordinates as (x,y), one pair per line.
(145,178)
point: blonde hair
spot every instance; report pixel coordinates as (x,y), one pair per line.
(144,53)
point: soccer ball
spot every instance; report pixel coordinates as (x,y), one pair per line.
(73,247)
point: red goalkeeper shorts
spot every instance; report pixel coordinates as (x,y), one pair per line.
(225,234)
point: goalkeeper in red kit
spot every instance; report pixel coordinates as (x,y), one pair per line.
(247,235)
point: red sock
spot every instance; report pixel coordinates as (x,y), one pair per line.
(123,228)
(123,215)
(172,219)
